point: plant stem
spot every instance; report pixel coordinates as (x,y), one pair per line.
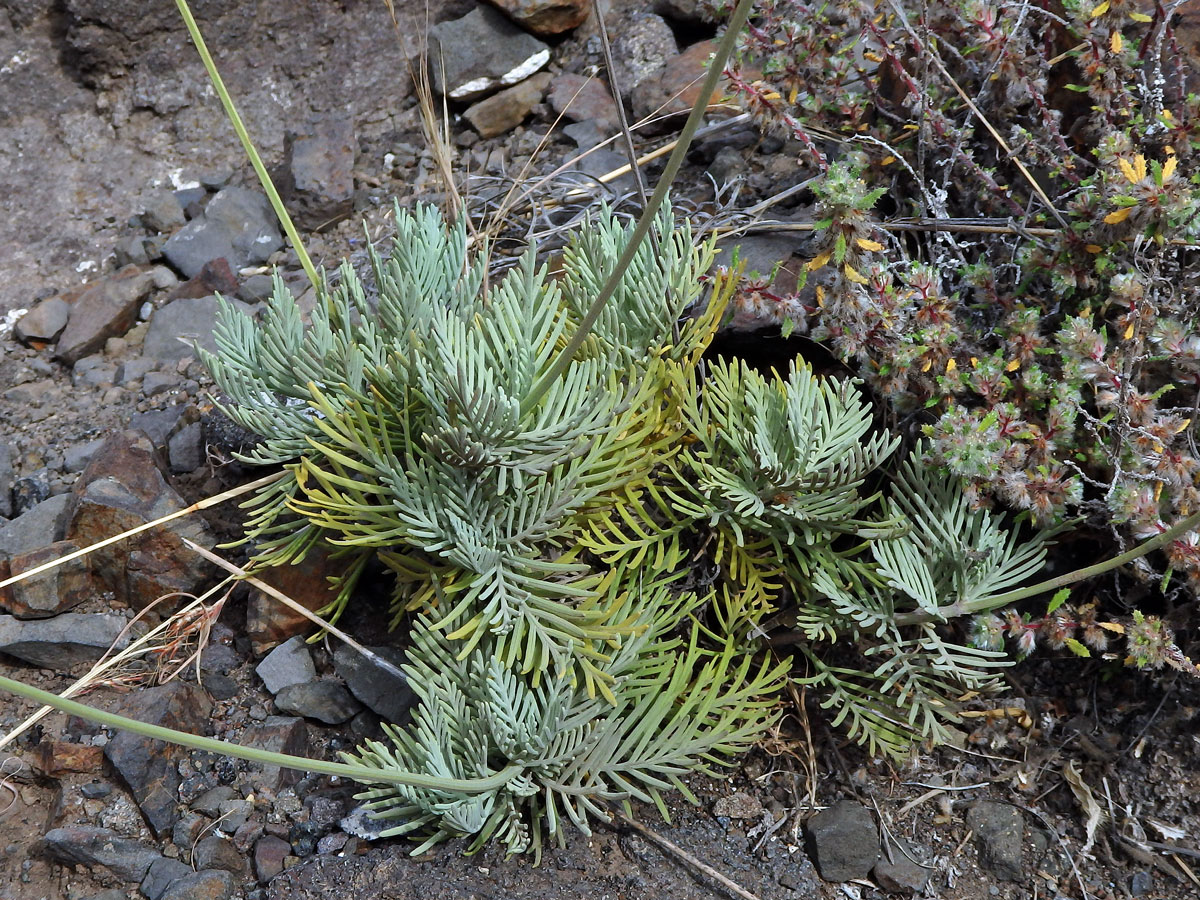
(244,136)
(995,602)
(715,67)
(253,754)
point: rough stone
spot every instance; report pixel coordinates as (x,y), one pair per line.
(123,487)
(94,371)
(325,701)
(739,805)
(842,841)
(44,322)
(103,309)
(6,483)
(546,17)
(179,324)
(688,11)
(289,663)
(481,53)
(999,835)
(278,734)
(641,49)
(89,846)
(268,622)
(578,98)
(318,182)
(33,529)
(56,758)
(269,854)
(162,874)
(383,692)
(211,884)
(215,277)
(256,288)
(210,801)
(158,424)
(161,211)
(216,852)
(63,641)
(185,448)
(675,88)
(903,874)
(237,225)
(133,250)
(31,490)
(506,110)
(56,590)
(149,767)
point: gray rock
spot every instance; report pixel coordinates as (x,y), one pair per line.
(903,874)
(132,250)
(56,590)
(149,767)
(642,49)
(88,846)
(175,327)
(278,734)
(156,383)
(999,836)
(162,874)
(216,852)
(318,183)
(233,814)
(383,692)
(842,841)
(94,371)
(738,805)
(44,322)
(210,801)
(237,225)
(105,308)
(6,485)
(256,288)
(185,448)
(289,663)
(36,527)
(158,424)
(481,53)
(31,490)
(63,641)
(162,211)
(77,456)
(135,370)
(727,166)
(325,701)
(211,884)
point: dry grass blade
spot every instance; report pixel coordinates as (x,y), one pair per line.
(291,604)
(615,87)
(191,622)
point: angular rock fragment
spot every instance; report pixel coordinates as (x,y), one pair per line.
(63,641)
(55,591)
(150,767)
(481,53)
(318,184)
(506,110)
(842,841)
(88,846)
(123,487)
(546,17)
(103,309)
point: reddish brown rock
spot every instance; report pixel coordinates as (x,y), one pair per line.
(123,487)
(269,854)
(55,758)
(103,309)
(580,99)
(216,277)
(546,16)
(318,184)
(676,89)
(269,622)
(277,734)
(506,110)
